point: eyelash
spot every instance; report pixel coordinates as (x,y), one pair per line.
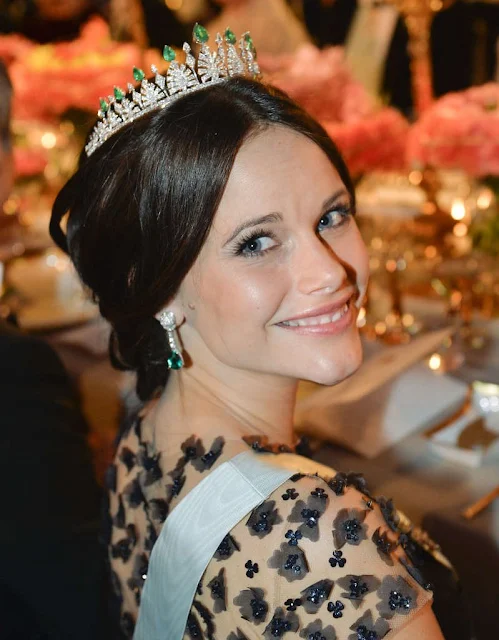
(344,210)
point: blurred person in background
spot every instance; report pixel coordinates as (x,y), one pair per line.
(272,23)
(46,21)
(463,44)
(52,569)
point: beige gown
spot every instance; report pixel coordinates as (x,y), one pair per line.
(319,559)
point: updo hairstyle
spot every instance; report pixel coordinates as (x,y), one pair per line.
(141,206)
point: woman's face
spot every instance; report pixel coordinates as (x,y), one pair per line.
(277,285)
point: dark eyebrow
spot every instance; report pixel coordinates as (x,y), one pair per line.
(254,222)
(328,204)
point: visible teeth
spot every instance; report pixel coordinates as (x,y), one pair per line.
(324,319)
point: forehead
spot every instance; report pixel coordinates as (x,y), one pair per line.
(276,170)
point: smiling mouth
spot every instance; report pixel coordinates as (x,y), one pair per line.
(323,319)
(327,318)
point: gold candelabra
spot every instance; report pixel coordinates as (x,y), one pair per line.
(418,17)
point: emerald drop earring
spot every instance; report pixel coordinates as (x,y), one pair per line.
(168,322)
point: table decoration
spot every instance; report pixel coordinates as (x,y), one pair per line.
(369,136)
(418,16)
(52,78)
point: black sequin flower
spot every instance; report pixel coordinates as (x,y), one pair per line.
(150,463)
(293,537)
(291,494)
(252,605)
(226,548)
(340,481)
(389,513)
(123,548)
(310,517)
(127,457)
(218,591)
(158,509)
(396,596)
(251,568)
(315,595)
(308,514)
(356,587)
(282,622)
(366,629)
(178,481)
(337,559)
(292,604)
(336,608)
(208,459)
(207,618)
(348,527)
(193,628)
(384,545)
(192,448)
(291,565)
(263,518)
(133,494)
(318,492)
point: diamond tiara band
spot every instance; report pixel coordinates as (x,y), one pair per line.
(230,58)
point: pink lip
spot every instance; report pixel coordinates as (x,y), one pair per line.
(329,329)
(325,309)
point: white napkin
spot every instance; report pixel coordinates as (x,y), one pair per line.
(392,395)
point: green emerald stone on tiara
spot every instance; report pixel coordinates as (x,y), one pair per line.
(138,74)
(103,105)
(200,34)
(119,94)
(249,41)
(230,37)
(168,53)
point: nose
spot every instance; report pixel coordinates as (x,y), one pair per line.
(318,269)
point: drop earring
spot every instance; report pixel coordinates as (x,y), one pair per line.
(168,322)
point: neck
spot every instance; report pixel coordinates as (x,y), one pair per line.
(229,403)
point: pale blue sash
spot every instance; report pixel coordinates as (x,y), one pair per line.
(192,533)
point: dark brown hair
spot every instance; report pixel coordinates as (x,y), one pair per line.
(141,206)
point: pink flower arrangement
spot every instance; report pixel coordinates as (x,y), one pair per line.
(49,79)
(460,130)
(369,137)
(29,162)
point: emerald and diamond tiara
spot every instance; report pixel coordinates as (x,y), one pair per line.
(226,60)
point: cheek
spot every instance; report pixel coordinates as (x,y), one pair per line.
(229,301)
(353,253)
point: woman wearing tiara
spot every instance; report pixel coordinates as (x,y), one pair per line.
(214,222)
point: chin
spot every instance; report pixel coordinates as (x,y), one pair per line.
(331,371)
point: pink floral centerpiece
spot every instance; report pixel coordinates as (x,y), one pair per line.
(49,79)
(368,136)
(460,131)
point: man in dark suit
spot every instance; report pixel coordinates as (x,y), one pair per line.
(51,561)
(52,568)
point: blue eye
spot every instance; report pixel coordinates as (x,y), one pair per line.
(334,219)
(255,245)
